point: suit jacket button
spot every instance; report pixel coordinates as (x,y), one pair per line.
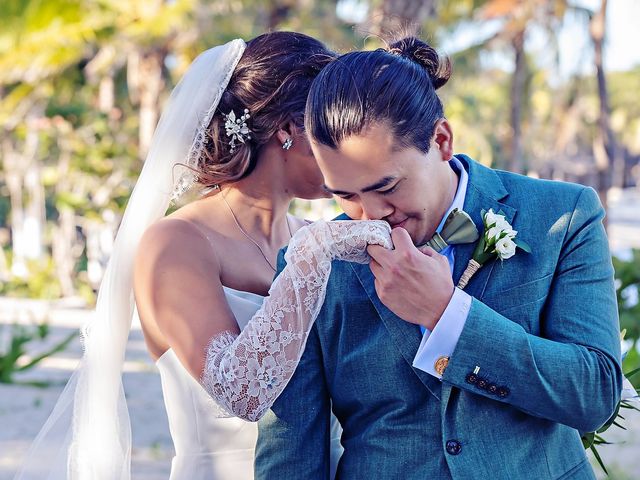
(453,447)
(482,384)
(503,392)
(472,378)
(492,388)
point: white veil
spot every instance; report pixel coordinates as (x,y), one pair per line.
(88,434)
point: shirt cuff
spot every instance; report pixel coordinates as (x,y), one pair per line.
(442,341)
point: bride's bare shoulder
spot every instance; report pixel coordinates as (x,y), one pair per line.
(177,240)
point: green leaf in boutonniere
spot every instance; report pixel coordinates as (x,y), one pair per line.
(498,240)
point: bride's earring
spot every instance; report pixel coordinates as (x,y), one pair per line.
(288,143)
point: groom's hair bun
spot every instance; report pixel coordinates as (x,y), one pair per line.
(412,48)
(394,87)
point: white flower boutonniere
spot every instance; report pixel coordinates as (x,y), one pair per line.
(499,239)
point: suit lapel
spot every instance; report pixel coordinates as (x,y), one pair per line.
(405,335)
(484,191)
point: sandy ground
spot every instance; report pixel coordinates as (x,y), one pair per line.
(23,409)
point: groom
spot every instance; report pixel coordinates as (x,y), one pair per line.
(433,382)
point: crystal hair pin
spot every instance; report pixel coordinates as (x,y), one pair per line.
(237,128)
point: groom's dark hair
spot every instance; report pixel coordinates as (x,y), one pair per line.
(395,86)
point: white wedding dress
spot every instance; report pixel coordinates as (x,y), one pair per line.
(209,447)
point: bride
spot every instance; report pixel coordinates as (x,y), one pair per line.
(233,126)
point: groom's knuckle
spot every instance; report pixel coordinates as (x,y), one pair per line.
(407,256)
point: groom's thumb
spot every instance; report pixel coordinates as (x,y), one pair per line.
(401,239)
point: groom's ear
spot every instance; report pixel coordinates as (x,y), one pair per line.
(443,138)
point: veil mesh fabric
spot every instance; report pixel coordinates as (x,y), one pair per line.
(88,434)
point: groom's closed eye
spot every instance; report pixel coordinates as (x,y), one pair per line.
(383,183)
(389,191)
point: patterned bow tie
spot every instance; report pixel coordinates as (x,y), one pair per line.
(458,228)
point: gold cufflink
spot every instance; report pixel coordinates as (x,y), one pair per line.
(441,365)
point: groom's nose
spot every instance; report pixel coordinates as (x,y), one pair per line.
(375,208)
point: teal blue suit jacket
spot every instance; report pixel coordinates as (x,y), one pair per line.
(542,333)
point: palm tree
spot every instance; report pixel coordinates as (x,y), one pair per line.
(518,17)
(604,148)
(39,41)
(392,17)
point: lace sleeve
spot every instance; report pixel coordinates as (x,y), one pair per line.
(245,373)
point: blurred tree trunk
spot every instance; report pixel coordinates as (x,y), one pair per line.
(4,266)
(518,17)
(517,94)
(64,260)
(34,218)
(101,70)
(26,193)
(13,176)
(150,84)
(64,230)
(278,11)
(393,17)
(604,147)
(133,75)
(34,209)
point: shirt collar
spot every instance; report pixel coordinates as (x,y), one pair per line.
(461,192)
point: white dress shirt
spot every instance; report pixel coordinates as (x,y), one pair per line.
(442,340)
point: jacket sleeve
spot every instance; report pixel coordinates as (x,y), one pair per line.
(571,372)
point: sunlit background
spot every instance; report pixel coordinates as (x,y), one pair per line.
(547,88)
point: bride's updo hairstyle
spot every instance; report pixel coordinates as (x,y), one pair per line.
(272,80)
(394,86)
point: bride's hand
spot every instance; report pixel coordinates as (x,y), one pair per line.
(341,240)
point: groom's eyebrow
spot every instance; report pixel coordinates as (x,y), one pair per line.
(379,184)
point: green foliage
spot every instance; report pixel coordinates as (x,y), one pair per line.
(5,206)
(41,282)
(627,290)
(592,440)
(627,285)
(13,359)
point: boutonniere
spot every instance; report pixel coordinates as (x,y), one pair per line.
(499,239)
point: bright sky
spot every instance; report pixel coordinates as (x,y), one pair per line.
(622,50)
(621,44)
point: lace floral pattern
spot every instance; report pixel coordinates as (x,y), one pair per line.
(245,373)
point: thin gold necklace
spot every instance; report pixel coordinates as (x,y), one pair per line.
(249,237)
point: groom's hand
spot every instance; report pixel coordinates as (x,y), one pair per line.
(414,284)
